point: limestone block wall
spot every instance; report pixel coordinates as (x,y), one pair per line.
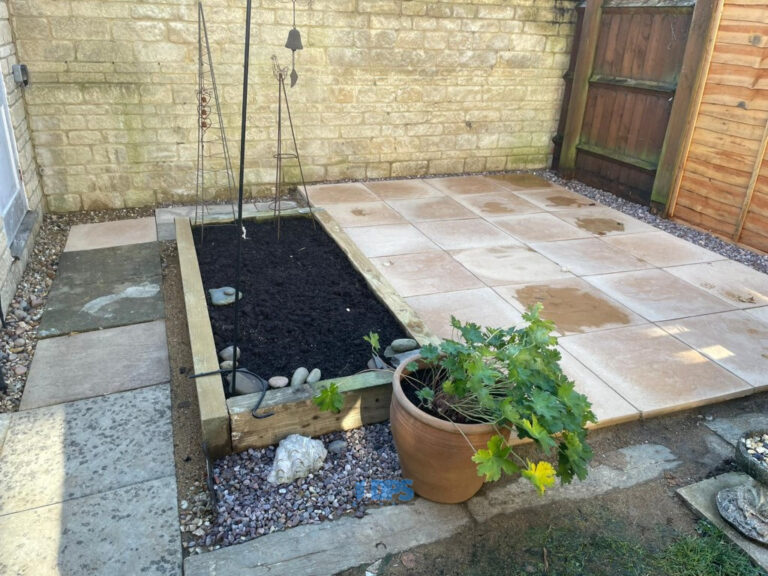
(387,88)
(10,269)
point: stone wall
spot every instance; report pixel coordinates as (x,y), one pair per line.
(11,269)
(387,88)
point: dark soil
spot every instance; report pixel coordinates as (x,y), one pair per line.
(303,302)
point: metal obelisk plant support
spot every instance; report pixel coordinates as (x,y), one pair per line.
(205,94)
(293,43)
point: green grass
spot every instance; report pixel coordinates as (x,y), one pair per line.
(708,554)
(605,548)
(607,552)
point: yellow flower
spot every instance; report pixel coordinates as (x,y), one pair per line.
(541,475)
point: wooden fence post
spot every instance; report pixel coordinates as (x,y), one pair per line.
(590,32)
(685,109)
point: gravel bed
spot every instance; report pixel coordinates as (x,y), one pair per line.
(709,241)
(249,506)
(18,339)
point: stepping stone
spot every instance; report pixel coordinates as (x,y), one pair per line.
(97,363)
(701,497)
(104,288)
(731,429)
(110,234)
(108,265)
(73,450)
(132,530)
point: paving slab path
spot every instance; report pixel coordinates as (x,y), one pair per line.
(89,483)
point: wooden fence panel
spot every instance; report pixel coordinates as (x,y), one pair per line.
(630,54)
(724,182)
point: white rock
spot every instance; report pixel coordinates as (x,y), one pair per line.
(278,382)
(228,353)
(296,457)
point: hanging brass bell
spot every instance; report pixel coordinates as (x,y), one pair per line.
(294,40)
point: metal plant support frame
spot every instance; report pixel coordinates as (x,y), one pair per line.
(282,96)
(207,91)
(204,123)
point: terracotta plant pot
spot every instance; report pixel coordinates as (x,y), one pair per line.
(434,453)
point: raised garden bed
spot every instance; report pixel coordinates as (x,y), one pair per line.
(228,424)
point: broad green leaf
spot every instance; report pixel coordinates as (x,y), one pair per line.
(329,399)
(495,460)
(426,395)
(537,432)
(373,340)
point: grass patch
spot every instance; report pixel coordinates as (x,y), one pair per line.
(596,547)
(607,552)
(708,554)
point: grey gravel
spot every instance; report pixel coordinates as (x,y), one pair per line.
(249,507)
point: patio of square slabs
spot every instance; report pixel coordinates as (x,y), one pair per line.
(648,324)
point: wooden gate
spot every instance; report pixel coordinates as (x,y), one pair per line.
(628,90)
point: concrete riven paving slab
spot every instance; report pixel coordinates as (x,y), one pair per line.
(109,234)
(403,189)
(81,366)
(657,295)
(82,448)
(390,240)
(345,193)
(103,289)
(662,249)
(425,273)
(701,497)
(541,227)
(86,307)
(589,256)
(653,371)
(501,265)
(460,234)
(735,283)
(735,340)
(572,304)
(608,406)
(137,262)
(125,532)
(330,547)
(363,214)
(481,306)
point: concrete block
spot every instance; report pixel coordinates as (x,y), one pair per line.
(55,454)
(132,530)
(98,363)
(701,497)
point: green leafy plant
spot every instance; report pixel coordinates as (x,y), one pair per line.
(510,378)
(373,340)
(329,398)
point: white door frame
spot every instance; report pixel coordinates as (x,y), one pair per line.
(17,199)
